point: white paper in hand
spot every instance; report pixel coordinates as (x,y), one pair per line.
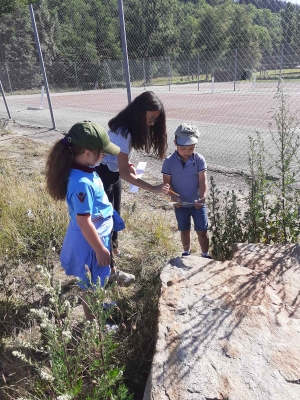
(140,169)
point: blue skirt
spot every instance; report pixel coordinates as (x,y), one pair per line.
(77,255)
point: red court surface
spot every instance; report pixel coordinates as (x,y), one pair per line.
(240,108)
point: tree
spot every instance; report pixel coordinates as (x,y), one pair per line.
(244,35)
(19,67)
(150,26)
(213,36)
(7,6)
(288,17)
(87,35)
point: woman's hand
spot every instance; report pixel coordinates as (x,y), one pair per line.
(162,188)
(131,169)
(103,257)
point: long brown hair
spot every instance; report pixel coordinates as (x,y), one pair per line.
(132,119)
(58,166)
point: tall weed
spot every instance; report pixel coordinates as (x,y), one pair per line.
(269,212)
(74,362)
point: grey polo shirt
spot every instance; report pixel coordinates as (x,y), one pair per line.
(184,177)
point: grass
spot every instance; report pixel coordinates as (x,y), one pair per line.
(32,227)
(268,75)
(4,131)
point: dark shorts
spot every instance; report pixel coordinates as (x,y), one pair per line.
(185,214)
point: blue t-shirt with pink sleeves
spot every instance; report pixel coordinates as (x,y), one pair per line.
(184,176)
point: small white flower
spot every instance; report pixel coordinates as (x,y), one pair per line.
(29,214)
(38,313)
(45,375)
(67,334)
(64,397)
(46,289)
(19,355)
(67,304)
(24,344)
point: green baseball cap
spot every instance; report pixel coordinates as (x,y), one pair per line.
(91,135)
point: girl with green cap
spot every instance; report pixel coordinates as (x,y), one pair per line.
(71,175)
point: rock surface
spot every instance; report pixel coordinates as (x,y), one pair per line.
(229,330)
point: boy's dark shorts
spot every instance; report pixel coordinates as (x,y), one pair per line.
(184,215)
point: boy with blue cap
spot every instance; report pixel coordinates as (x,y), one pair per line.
(185,172)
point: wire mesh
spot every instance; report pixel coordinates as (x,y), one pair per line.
(219,65)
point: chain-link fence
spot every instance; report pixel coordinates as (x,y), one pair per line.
(219,66)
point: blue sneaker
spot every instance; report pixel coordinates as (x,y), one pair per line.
(186,253)
(207,257)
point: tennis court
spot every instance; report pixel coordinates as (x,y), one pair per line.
(225,117)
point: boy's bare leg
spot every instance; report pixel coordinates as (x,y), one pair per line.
(203,241)
(186,240)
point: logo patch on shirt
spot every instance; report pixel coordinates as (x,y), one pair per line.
(81,197)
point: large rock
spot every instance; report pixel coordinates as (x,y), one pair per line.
(280,267)
(228,332)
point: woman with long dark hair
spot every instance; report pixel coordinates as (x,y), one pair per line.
(140,126)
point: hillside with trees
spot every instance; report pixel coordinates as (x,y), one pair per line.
(82,36)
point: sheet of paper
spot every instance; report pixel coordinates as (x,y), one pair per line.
(140,169)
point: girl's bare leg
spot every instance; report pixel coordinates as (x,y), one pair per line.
(86,309)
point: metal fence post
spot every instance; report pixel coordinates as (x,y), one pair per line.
(144,74)
(8,77)
(124,48)
(198,71)
(169,71)
(3,95)
(235,67)
(123,75)
(37,41)
(76,75)
(281,60)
